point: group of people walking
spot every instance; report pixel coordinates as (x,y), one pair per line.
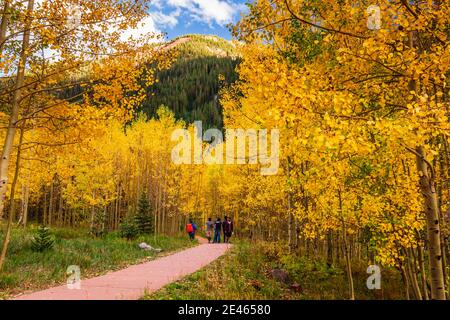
(213,230)
(216,228)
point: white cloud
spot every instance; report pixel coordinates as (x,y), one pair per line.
(153,23)
(166,20)
(209,11)
(146,26)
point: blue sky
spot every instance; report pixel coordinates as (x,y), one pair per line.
(179,17)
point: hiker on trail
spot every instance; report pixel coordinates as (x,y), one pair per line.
(227,229)
(190,229)
(217,230)
(209,229)
(225,219)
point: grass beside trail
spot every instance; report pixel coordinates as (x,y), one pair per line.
(244,273)
(28,270)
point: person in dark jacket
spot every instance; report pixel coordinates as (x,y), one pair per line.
(227,229)
(225,219)
(217,230)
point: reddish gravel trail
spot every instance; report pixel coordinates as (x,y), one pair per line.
(131,283)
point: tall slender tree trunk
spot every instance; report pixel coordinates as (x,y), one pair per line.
(116,209)
(24,210)
(427,186)
(348,264)
(290,217)
(12,208)
(44,211)
(4,24)
(60,207)
(93,213)
(329,248)
(50,204)
(423,275)
(411,272)
(405,281)
(15,108)
(346,251)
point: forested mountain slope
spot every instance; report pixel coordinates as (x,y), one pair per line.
(190,88)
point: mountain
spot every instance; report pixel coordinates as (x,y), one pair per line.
(190,87)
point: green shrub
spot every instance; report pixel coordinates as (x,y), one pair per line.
(43,240)
(8,280)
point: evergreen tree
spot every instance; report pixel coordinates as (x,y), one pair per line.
(128,228)
(43,240)
(144,217)
(98,227)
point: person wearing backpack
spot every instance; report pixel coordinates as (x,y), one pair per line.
(190,229)
(217,230)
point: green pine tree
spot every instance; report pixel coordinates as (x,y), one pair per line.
(43,240)
(128,228)
(144,216)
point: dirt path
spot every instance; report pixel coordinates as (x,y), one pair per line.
(131,283)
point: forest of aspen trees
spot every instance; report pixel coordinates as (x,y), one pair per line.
(363,114)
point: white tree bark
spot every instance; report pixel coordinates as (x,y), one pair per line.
(15,109)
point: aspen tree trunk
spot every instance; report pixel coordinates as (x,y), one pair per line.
(116,209)
(92,213)
(12,208)
(164,199)
(50,205)
(347,251)
(44,211)
(410,270)
(15,108)
(25,206)
(155,218)
(155,214)
(444,226)
(4,24)
(337,248)
(405,281)
(423,275)
(24,209)
(349,266)
(165,218)
(443,170)
(160,206)
(60,207)
(329,248)
(431,206)
(22,201)
(427,186)
(415,273)
(119,215)
(290,218)
(105,214)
